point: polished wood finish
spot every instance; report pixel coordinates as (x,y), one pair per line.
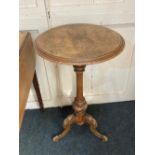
(80,105)
(79,45)
(26,72)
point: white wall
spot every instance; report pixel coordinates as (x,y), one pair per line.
(106,82)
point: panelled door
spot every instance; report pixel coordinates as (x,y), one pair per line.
(110,81)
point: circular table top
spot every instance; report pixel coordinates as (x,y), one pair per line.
(79,44)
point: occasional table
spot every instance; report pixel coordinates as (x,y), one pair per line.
(79,45)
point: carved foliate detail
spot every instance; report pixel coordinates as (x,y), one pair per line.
(80,106)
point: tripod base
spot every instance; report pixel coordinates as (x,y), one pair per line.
(80,120)
(80,105)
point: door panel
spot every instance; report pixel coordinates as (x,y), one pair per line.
(32,15)
(91,11)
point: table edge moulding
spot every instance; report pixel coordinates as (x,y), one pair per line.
(107,56)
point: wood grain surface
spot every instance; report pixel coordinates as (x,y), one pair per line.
(79,44)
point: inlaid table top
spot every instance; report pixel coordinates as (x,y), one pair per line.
(79,44)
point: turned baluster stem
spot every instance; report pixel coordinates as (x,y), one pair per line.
(79,81)
(80,104)
(79,85)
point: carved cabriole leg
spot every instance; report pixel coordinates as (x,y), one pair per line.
(93,125)
(80,105)
(68,121)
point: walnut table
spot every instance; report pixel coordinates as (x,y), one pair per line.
(79,45)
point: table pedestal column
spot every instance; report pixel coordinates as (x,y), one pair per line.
(80,105)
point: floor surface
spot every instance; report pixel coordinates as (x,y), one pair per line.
(116,120)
